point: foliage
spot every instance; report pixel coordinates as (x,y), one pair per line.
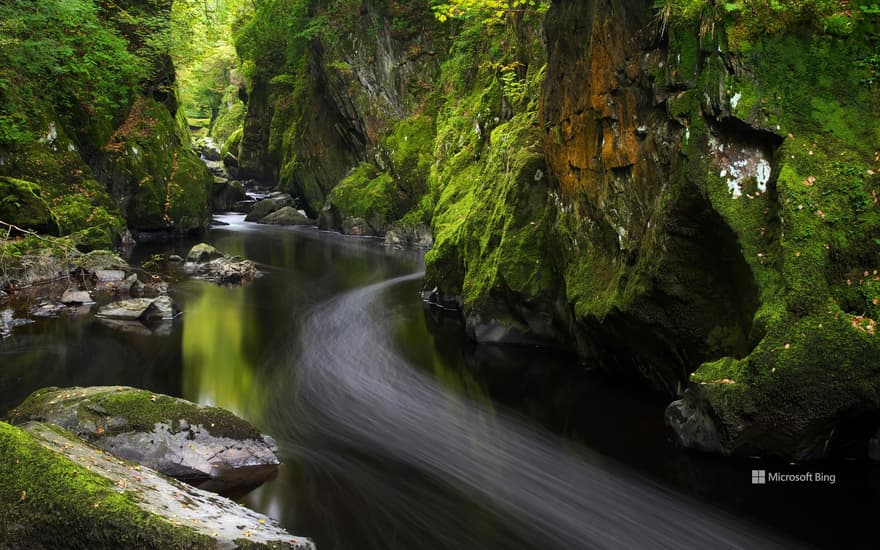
(205,59)
(753,18)
(491,11)
(59,53)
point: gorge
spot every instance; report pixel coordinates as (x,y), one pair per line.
(670,203)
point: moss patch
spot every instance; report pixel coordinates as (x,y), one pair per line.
(46,499)
(140,409)
(22,204)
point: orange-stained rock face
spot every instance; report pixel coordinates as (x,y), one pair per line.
(597,109)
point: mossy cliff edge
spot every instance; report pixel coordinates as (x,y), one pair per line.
(685,195)
(89,140)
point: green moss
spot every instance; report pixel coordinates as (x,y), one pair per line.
(808,241)
(232,143)
(367,193)
(46,498)
(22,204)
(169,188)
(140,408)
(231,116)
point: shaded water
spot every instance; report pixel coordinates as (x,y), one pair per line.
(397,433)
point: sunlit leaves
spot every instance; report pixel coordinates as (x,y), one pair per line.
(492,11)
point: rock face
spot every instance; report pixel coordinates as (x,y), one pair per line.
(344,115)
(679,204)
(226,193)
(208,263)
(62,485)
(106,151)
(205,446)
(672,222)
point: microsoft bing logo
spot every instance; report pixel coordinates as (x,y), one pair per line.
(759,477)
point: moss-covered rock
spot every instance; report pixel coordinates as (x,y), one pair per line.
(207,446)
(22,204)
(326,109)
(162,185)
(811,383)
(57,491)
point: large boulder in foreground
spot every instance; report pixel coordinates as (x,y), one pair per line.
(56,490)
(206,446)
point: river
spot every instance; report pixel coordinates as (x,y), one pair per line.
(398,433)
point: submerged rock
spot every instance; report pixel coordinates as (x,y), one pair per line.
(357,227)
(206,446)
(62,485)
(693,425)
(419,236)
(46,308)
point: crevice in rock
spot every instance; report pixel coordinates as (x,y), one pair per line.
(698,305)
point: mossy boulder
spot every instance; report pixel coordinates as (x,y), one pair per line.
(264,207)
(367,194)
(207,446)
(56,490)
(161,184)
(287,215)
(22,204)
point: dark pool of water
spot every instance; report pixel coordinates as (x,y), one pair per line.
(397,433)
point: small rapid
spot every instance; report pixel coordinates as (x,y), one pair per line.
(355,395)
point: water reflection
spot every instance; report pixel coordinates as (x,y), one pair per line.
(216,368)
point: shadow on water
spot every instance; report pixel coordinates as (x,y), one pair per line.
(398,433)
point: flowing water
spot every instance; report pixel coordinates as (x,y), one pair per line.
(397,433)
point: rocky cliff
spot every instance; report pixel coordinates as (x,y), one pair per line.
(347,99)
(684,194)
(89,136)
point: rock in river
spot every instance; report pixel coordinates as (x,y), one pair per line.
(61,485)
(273,202)
(208,263)
(287,215)
(72,296)
(146,310)
(206,446)
(203,252)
